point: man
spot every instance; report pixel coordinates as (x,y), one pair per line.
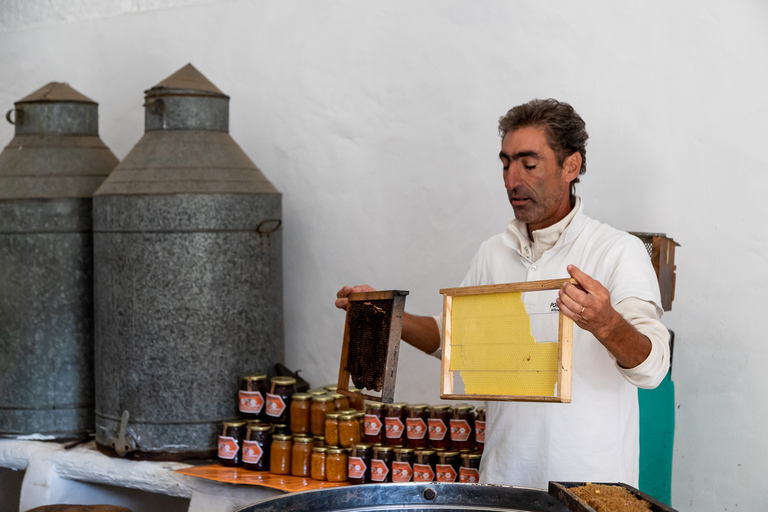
(620,343)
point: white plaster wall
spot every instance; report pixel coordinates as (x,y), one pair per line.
(377,122)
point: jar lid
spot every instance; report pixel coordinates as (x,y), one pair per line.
(303,439)
(336,449)
(234,424)
(348,411)
(424,452)
(404,450)
(322,398)
(363,446)
(463,408)
(317,391)
(260,427)
(418,406)
(450,454)
(346,416)
(335,415)
(440,407)
(375,405)
(281,437)
(331,387)
(470,456)
(301,396)
(398,405)
(285,381)
(384,449)
(254,422)
(320,449)
(252,378)
(337,396)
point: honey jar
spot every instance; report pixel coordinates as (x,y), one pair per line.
(231,443)
(480,429)
(332,428)
(381,464)
(300,413)
(416,426)
(462,425)
(321,405)
(318,463)
(447,467)
(359,463)
(340,402)
(402,465)
(301,455)
(349,430)
(374,422)
(336,465)
(256,447)
(424,466)
(394,424)
(438,422)
(252,397)
(279,399)
(469,472)
(280,455)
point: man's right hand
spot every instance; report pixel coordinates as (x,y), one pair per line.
(341,295)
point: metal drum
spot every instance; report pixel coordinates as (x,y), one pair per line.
(48,174)
(188,278)
(414,497)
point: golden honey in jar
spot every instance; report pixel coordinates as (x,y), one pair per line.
(402,465)
(336,465)
(447,467)
(318,463)
(349,430)
(381,464)
(394,424)
(252,397)
(280,454)
(359,462)
(301,455)
(469,472)
(301,404)
(340,402)
(321,405)
(231,443)
(480,429)
(439,430)
(332,428)
(279,399)
(256,447)
(416,425)
(462,424)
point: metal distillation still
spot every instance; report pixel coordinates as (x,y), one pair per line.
(48,174)
(188,278)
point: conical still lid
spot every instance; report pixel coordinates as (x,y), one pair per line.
(56,92)
(187,78)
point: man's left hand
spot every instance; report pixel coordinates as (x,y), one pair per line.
(588,304)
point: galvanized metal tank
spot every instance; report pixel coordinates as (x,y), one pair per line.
(414,497)
(48,174)
(188,278)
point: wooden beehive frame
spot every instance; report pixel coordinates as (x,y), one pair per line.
(393,344)
(564,342)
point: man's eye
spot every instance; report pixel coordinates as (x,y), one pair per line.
(529,167)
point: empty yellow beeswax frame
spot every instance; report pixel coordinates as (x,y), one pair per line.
(489,347)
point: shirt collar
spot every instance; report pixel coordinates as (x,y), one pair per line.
(516,235)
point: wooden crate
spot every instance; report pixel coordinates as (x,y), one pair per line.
(372,330)
(531,366)
(562,491)
(661,250)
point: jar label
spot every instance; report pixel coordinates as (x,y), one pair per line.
(393,427)
(480,431)
(251,402)
(275,405)
(227,447)
(460,430)
(372,425)
(437,429)
(401,472)
(252,452)
(423,473)
(416,428)
(445,473)
(379,470)
(356,467)
(469,475)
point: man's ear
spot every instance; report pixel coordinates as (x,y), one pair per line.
(572,166)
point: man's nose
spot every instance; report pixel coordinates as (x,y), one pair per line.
(512,176)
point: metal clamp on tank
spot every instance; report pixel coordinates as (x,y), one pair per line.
(125,442)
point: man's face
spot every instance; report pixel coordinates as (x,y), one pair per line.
(537,187)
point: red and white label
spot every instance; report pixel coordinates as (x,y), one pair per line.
(356,467)
(379,470)
(480,431)
(401,472)
(437,429)
(460,430)
(252,452)
(275,405)
(415,428)
(227,447)
(423,473)
(372,425)
(393,427)
(251,402)
(445,473)
(469,476)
